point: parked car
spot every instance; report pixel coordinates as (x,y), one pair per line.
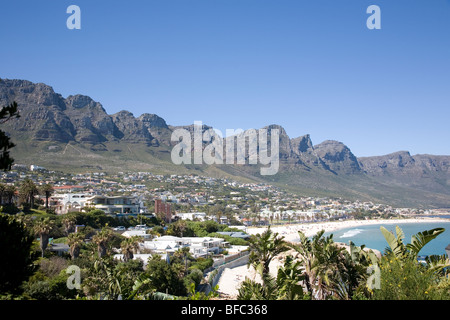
(120,228)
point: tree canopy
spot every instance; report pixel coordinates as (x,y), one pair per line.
(6,113)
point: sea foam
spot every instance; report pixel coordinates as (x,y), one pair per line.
(351,233)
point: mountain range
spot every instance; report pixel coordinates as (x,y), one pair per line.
(76,133)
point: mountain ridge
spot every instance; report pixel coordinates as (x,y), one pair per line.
(53,127)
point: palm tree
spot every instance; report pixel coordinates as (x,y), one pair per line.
(9,193)
(75,241)
(2,193)
(42,229)
(29,190)
(330,260)
(105,280)
(289,280)
(271,217)
(128,246)
(153,233)
(251,290)
(183,253)
(69,222)
(264,247)
(329,270)
(47,190)
(306,256)
(101,239)
(286,286)
(352,272)
(319,258)
(179,227)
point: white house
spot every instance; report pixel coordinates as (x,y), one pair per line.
(36,168)
(115,204)
(111,205)
(142,256)
(68,202)
(133,233)
(192,215)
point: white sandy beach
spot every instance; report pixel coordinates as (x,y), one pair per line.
(290,232)
(231,279)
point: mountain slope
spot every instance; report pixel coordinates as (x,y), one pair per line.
(76,133)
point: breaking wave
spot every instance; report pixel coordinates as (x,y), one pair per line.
(351,233)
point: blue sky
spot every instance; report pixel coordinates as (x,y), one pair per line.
(312,67)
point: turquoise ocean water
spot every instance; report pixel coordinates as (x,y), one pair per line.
(372,237)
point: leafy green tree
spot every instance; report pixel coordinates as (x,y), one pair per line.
(95,218)
(7,113)
(195,276)
(54,288)
(49,282)
(16,265)
(165,277)
(201,263)
(409,280)
(251,290)
(7,193)
(103,280)
(2,193)
(131,271)
(178,228)
(195,295)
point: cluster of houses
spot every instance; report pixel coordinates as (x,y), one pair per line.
(199,247)
(125,193)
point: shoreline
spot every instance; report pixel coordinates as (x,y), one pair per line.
(232,278)
(290,231)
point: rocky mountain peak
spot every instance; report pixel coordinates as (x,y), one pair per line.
(302,144)
(152,120)
(81,101)
(337,156)
(28,93)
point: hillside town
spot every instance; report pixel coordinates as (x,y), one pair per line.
(190,197)
(183,233)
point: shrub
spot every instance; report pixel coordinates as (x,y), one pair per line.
(409,280)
